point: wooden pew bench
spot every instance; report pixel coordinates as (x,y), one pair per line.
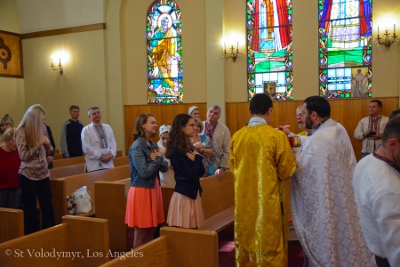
(63,187)
(189,247)
(68,161)
(202,244)
(76,160)
(159,252)
(80,168)
(78,241)
(11,224)
(111,205)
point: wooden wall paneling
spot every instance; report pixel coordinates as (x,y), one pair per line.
(348,112)
(163,113)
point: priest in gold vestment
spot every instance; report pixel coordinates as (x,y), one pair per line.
(260,160)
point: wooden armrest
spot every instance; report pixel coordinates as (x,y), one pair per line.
(219,221)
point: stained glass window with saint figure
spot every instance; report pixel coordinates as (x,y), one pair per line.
(269,48)
(164,53)
(345,48)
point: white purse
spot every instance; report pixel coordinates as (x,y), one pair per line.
(83,200)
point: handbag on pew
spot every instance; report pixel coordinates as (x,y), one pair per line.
(83,201)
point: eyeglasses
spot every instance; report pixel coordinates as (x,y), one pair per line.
(300,115)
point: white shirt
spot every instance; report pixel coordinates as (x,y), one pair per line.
(91,146)
(377,191)
(167,178)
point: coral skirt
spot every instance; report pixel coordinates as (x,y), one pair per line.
(144,207)
(185,212)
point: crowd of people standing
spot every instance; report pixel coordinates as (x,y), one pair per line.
(339,218)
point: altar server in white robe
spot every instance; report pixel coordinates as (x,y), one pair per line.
(323,205)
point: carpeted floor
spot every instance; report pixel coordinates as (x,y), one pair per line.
(227,250)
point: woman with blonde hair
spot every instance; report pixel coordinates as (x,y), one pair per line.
(9,166)
(5,123)
(34,146)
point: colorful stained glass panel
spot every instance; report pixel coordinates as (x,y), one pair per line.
(345,48)
(269,48)
(164,53)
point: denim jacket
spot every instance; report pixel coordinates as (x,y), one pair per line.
(143,170)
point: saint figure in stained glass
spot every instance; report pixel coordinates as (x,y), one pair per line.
(164,53)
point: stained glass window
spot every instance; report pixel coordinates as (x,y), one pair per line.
(345,48)
(164,53)
(269,48)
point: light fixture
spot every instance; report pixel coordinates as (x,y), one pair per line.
(232,54)
(57,68)
(387,40)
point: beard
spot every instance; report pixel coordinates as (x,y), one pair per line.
(309,123)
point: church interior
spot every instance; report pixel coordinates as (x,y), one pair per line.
(105,57)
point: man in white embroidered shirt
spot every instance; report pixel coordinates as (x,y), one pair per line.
(376,184)
(370,128)
(98,143)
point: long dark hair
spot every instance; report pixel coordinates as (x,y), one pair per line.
(176,137)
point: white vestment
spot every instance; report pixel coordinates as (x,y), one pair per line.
(323,204)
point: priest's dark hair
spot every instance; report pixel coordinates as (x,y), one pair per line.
(318,104)
(260,104)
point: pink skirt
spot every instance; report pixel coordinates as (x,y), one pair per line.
(144,207)
(185,212)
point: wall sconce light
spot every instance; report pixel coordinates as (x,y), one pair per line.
(387,40)
(57,68)
(232,54)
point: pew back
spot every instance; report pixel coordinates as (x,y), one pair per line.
(74,161)
(154,253)
(218,202)
(218,194)
(11,224)
(78,241)
(111,205)
(63,187)
(200,249)
(68,161)
(80,168)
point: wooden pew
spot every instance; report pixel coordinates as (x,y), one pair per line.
(63,187)
(154,253)
(58,156)
(11,224)
(74,161)
(80,168)
(189,247)
(218,202)
(68,161)
(78,241)
(195,249)
(111,205)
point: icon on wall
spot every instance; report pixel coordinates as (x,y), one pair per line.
(10,55)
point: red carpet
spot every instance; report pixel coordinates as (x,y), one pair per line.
(227,250)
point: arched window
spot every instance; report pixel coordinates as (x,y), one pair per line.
(269,48)
(164,53)
(345,48)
